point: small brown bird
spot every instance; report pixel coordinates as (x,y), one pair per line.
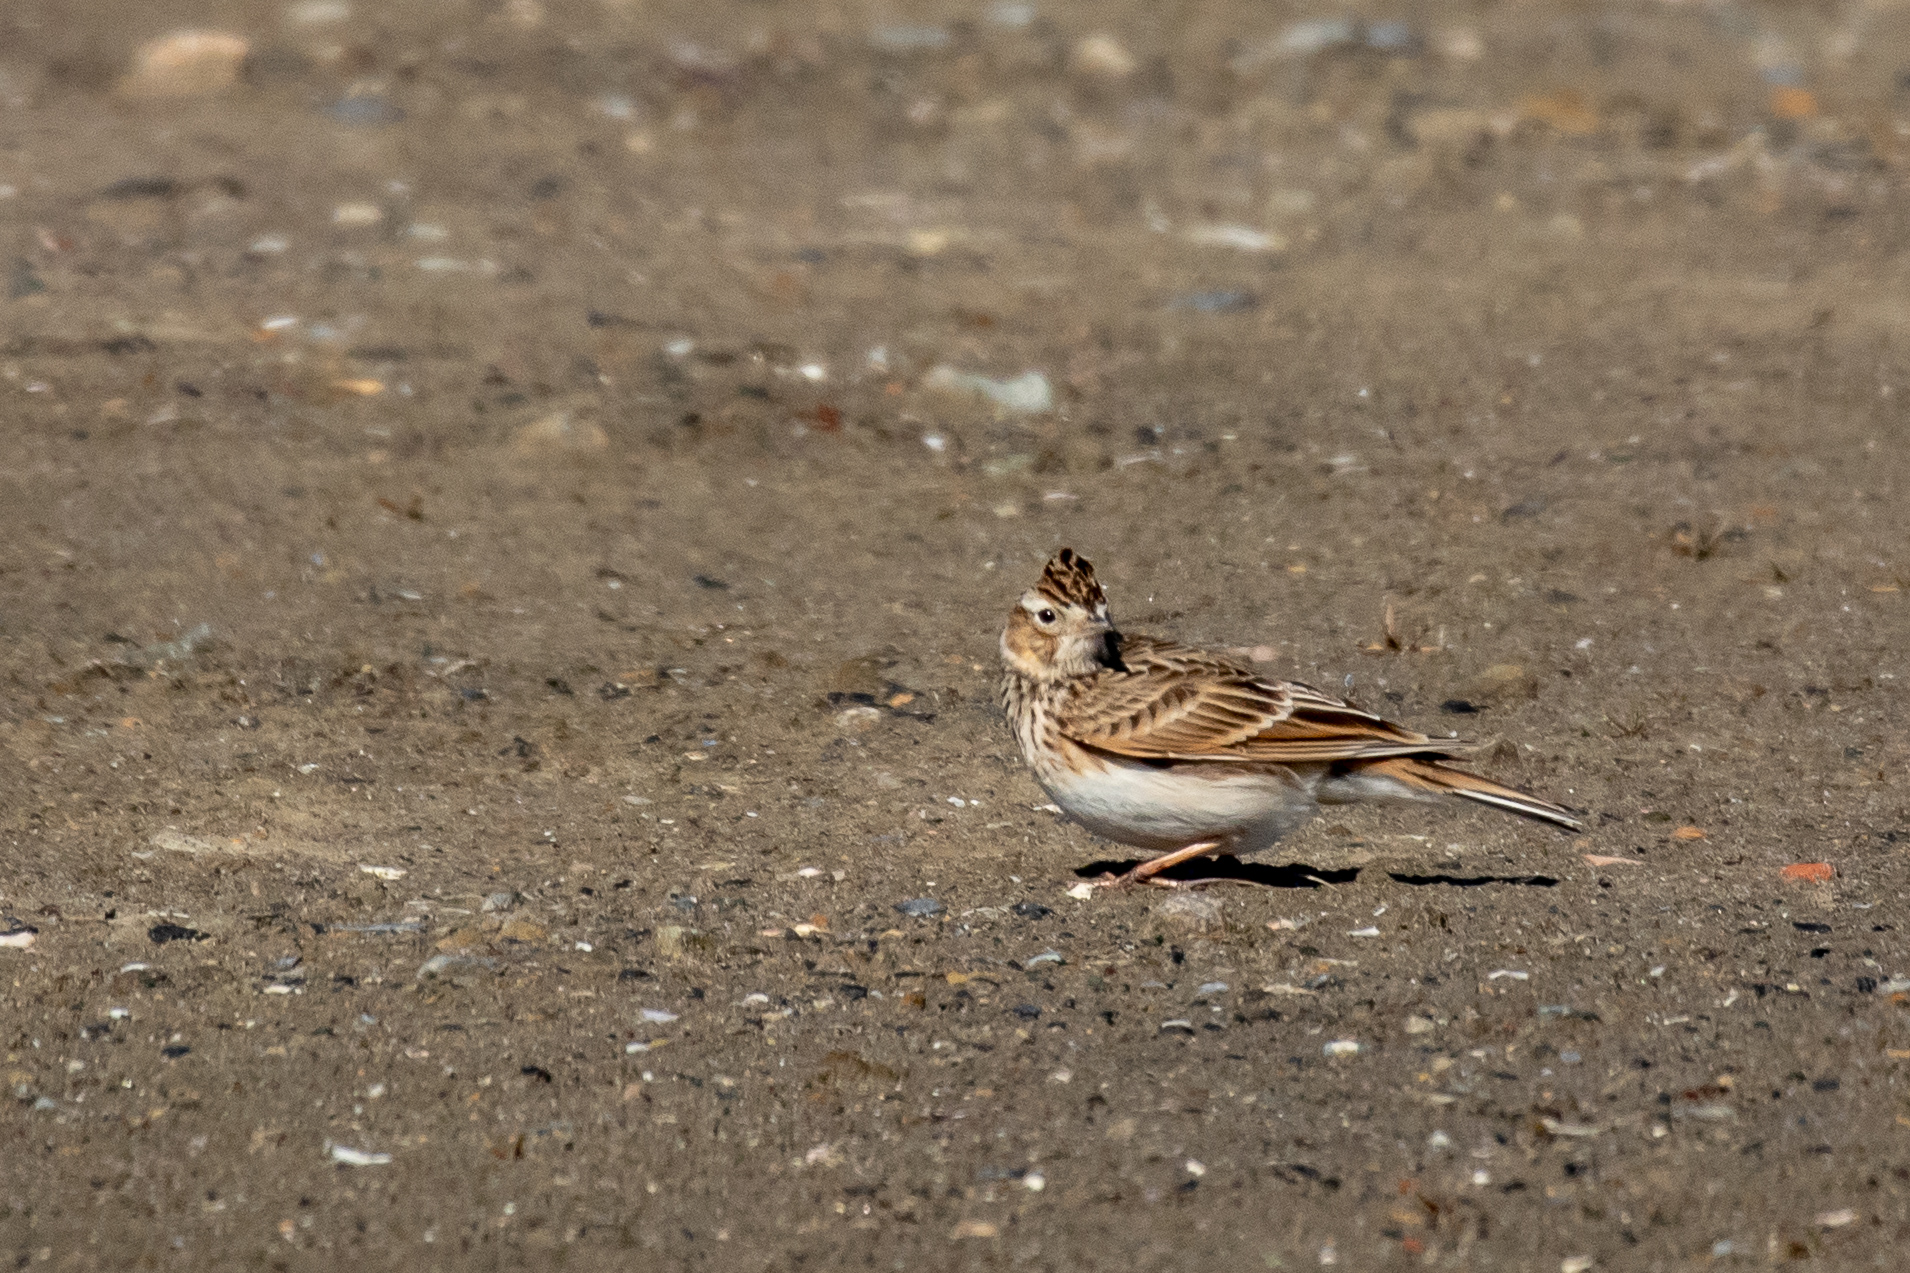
(1190,752)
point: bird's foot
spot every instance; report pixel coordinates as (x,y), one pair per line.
(1149,872)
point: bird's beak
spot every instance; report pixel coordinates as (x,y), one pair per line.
(1109,655)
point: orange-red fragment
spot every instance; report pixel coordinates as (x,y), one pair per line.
(1809,872)
(1793,103)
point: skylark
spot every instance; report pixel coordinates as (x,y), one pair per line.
(1189,752)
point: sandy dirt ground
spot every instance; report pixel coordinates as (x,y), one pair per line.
(505,516)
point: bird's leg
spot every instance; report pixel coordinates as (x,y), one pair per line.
(1146,871)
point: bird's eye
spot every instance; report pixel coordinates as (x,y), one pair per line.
(1046,615)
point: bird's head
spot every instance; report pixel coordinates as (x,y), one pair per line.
(1060,627)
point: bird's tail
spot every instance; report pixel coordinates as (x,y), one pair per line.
(1433,778)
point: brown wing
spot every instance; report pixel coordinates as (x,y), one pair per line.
(1178,703)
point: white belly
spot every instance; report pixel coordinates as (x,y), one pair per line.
(1171,807)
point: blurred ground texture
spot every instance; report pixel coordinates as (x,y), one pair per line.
(530,449)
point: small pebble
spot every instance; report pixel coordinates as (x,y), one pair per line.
(318,12)
(1342,1047)
(357,1157)
(1029,393)
(439,964)
(921,907)
(452,265)
(856,719)
(560,432)
(903,38)
(1195,910)
(1101,54)
(1229,301)
(367,110)
(1317,34)
(186,64)
(1241,237)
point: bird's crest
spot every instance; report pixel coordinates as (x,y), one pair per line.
(1069,578)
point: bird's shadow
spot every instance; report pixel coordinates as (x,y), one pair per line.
(1473,881)
(1228,869)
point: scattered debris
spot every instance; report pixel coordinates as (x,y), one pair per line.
(175,841)
(350,1157)
(1029,393)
